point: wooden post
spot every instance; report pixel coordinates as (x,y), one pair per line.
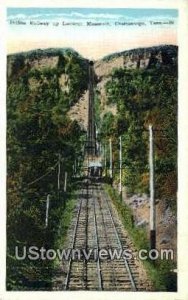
(47,210)
(152,191)
(58,176)
(120,167)
(111,171)
(59,172)
(105,159)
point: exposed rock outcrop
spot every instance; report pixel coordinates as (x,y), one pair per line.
(142,58)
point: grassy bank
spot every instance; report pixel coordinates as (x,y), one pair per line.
(65,220)
(37,274)
(159,271)
(64,213)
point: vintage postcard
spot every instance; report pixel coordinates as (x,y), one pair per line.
(93,115)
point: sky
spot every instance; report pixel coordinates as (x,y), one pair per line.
(92,32)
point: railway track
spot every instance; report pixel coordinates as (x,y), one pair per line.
(91,136)
(97,237)
(96,227)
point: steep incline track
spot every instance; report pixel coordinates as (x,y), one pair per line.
(91,113)
(96,227)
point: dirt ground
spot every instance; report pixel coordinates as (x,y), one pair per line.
(166,221)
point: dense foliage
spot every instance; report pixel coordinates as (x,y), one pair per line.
(144,97)
(39,134)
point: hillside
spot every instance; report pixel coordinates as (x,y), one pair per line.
(136,59)
(134,88)
(47,112)
(42,86)
(141,58)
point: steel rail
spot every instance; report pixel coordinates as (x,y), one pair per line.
(86,234)
(120,244)
(73,244)
(106,235)
(97,241)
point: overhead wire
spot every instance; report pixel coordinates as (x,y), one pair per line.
(44,175)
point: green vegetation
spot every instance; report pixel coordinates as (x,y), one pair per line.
(38,131)
(144,97)
(159,271)
(164,49)
(138,234)
(37,275)
(38,53)
(39,95)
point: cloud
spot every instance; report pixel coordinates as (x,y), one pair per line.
(78,16)
(67,15)
(16,17)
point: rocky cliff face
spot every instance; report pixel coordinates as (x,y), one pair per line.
(38,60)
(142,58)
(61,72)
(17,63)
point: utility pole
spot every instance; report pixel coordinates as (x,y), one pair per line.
(152,191)
(59,172)
(65,182)
(47,210)
(111,171)
(105,159)
(58,176)
(75,167)
(120,167)
(65,190)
